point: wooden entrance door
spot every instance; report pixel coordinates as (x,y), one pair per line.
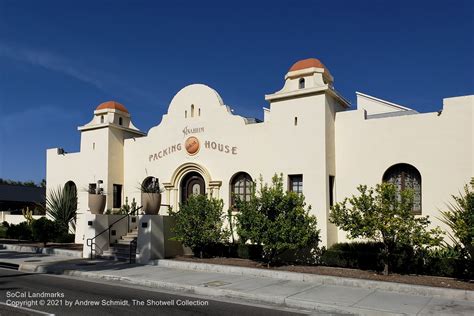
(192,184)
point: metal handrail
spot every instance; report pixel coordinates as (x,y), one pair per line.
(94,249)
(134,243)
(89,241)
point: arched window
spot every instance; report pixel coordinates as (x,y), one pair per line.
(120,121)
(241,186)
(301,83)
(192,110)
(101,119)
(405,176)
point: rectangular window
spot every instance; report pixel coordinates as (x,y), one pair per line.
(295,183)
(117,196)
(331,190)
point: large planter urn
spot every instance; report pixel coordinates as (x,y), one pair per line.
(151,203)
(97,203)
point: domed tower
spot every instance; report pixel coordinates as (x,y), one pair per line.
(102,141)
(304,77)
(302,116)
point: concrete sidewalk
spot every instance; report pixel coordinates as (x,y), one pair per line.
(309,294)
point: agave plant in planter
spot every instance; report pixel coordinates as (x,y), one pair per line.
(151,195)
(97,198)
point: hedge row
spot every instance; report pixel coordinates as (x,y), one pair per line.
(43,230)
(446,262)
(449,262)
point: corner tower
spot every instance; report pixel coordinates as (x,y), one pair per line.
(102,141)
(303,114)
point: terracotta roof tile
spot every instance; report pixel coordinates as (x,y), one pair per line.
(112,105)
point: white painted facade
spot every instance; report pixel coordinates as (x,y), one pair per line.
(309,131)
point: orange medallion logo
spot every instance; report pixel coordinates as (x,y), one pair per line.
(192,145)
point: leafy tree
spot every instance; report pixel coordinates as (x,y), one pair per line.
(276,219)
(199,223)
(45,230)
(61,205)
(384,214)
(460,218)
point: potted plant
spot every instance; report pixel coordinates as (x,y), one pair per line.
(151,195)
(96,198)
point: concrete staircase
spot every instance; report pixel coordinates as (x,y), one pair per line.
(120,251)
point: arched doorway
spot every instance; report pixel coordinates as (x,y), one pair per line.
(192,184)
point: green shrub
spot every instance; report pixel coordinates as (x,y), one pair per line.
(369,256)
(3,232)
(252,252)
(448,262)
(21,231)
(65,238)
(277,220)
(199,223)
(45,230)
(460,218)
(220,249)
(355,255)
(384,214)
(5,224)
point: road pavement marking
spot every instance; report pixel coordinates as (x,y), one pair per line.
(26,309)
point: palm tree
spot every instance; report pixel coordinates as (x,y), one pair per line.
(460,218)
(61,205)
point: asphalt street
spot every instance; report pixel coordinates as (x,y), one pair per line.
(70,296)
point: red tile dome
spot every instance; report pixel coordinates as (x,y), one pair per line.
(112,105)
(307,63)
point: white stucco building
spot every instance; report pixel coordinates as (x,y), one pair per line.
(309,133)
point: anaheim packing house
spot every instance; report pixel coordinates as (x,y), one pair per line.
(322,145)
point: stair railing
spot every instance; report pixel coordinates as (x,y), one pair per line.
(91,241)
(133,248)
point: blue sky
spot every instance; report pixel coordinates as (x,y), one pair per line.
(60,59)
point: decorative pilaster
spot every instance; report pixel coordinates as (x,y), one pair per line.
(214,188)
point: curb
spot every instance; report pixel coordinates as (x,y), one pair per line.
(45,251)
(454,294)
(285,301)
(213,292)
(8,265)
(288,301)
